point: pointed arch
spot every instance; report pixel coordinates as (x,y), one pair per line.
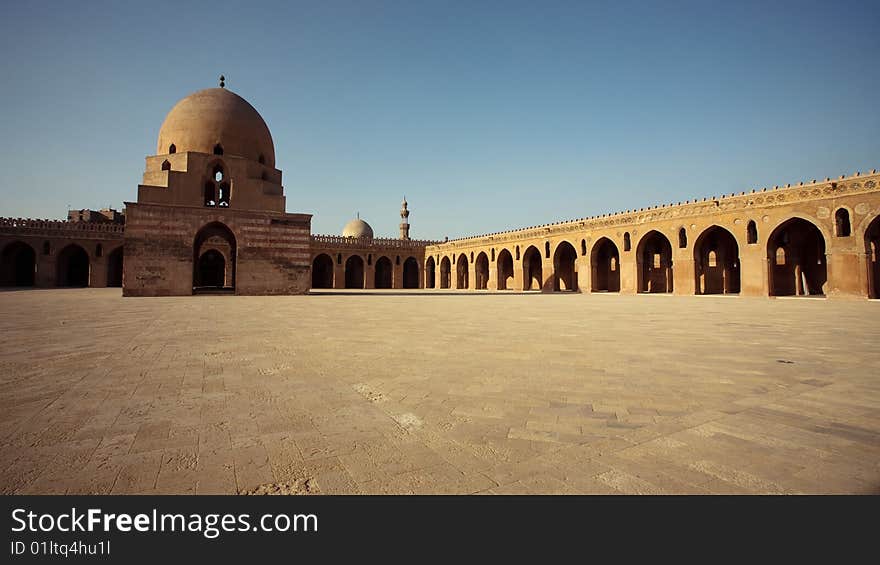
(481,271)
(354,272)
(213,242)
(410,273)
(73,267)
(18,264)
(716,262)
(533,269)
(461,272)
(383,273)
(504,265)
(565,267)
(430,275)
(445,272)
(654,260)
(605,265)
(322,271)
(805,270)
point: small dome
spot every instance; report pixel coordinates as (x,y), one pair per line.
(357,228)
(216,116)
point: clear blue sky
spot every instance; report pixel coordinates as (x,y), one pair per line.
(486,115)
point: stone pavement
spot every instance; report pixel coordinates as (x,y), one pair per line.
(426,392)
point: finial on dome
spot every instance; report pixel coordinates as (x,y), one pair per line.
(222,81)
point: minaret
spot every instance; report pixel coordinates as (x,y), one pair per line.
(404,220)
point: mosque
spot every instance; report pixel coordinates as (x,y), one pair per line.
(210,217)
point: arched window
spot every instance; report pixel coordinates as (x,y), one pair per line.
(493,254)
(682,238)
(99,250)
(713,258)
(472,256)
(47,248)
(218,149)
(517,252)
(547,249)
(369,258)
(626,242)
(752,232)
(841,223)
(339,258)
(166,165)
(172,149)
(583,247)
(397,260)
(780,256)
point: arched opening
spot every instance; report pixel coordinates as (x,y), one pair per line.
(461,272)
(430,275)
(796,257)
(872,249)
(682,238)
(583,247)
(605,263)
(505,270)
(99,250)
(654,257)
(18,265)
(73,267)
(354,272)
(114,267)
(842,227)
(752,232)
(533,270)
(172,149)
(626,242)
(211,270)
(493,254)
(410,273)
(214,259)
(481,271)
(384,273)
(546,249)
(166,165)
(517,252)
(445,268)
(47,248)
(218,149)
(564,267)
(322,271)
(716,262)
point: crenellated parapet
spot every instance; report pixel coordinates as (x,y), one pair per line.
(61,228)
(361,242)
(763,198)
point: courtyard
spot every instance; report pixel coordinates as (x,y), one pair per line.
(438,393)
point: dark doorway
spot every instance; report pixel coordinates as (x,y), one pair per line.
(214,259)
(445,268)
(354,272)
(410,273)
(384,273)
(796,257)
(429,273)
(505,270)
(114,267)
(481,271)
(533,270)
(322,271)
(605,262)
(564,267)
(461,272)
(73,267)
(872,250)
(654,256)
(18,265)
(716,262)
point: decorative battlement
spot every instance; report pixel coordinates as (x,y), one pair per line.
(763,197)
(338,240)
(60,227)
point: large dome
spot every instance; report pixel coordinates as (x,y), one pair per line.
(357,228)
(215,116)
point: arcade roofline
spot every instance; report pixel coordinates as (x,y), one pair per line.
(687,208)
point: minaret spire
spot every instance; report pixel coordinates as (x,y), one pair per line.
(404,220)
